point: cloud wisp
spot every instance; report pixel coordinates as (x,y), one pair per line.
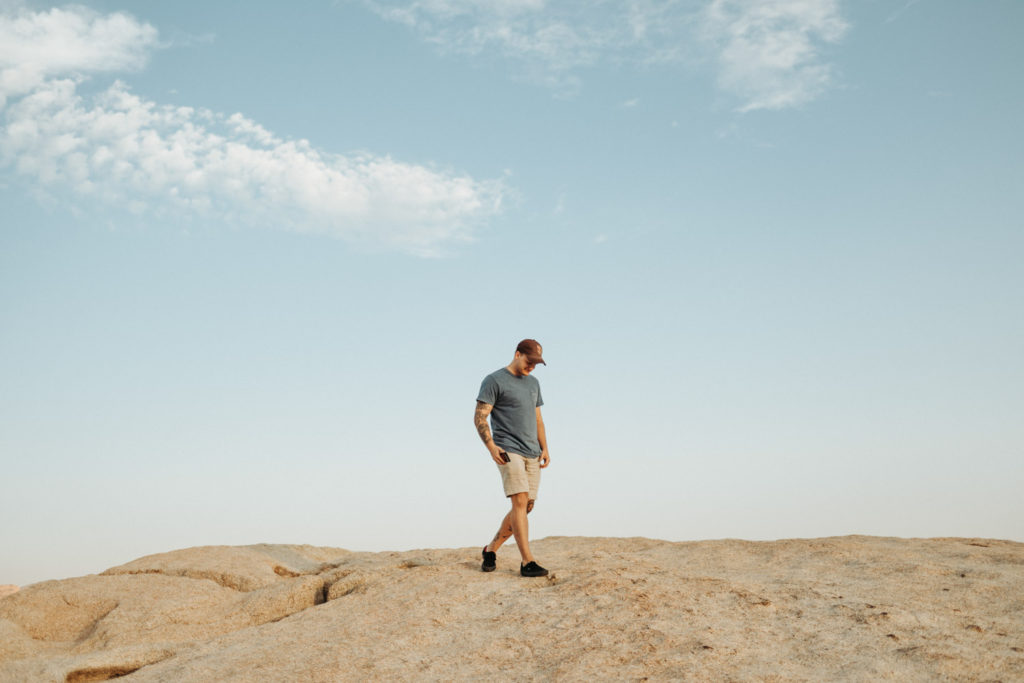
(767,52)
(549,41)
(124,150)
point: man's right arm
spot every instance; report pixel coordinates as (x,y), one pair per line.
(480,420)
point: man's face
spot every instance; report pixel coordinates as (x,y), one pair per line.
(524,365)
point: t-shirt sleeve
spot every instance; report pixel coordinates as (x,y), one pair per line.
(540,399)
(488,391)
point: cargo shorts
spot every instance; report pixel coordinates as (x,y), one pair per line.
(520,475)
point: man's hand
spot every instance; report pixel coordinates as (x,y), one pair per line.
(545,459)
(496,454)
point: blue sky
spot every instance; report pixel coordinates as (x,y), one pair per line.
(256,258)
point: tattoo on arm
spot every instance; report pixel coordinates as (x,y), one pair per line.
(480,420)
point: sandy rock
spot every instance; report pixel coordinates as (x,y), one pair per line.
(242,568)
(852,608)
(7,589)
(97,612)
(61,610)
(94,666)
(56,627)
(17,643)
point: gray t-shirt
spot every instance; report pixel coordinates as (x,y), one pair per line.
(514,417)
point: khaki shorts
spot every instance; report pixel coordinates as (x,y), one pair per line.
(520,474)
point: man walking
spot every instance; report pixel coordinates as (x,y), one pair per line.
(511,397)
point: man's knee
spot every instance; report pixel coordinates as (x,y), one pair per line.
(520,500)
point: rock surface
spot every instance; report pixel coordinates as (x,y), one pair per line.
(7,589)
(851,608)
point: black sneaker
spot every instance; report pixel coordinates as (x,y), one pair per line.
(489,561)
(532,569)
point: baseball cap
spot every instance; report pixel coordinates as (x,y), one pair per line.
(531,349)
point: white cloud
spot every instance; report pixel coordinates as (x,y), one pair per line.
(37,45)
(124,150)
(769,50)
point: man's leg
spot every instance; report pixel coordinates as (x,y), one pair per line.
(515,479)
(520,525)
(504,533)
(505,530)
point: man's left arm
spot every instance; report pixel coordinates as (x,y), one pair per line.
(545,458)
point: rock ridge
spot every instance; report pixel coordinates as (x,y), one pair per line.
(854,607)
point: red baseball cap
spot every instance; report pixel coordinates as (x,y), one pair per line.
(531,349)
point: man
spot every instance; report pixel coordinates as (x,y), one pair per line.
(511,397)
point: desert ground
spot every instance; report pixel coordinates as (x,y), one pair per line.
(849,608)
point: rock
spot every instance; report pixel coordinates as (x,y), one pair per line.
(94,666)
(99,612)
(821,609)
(242,568)
(16,643)
(7,589)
